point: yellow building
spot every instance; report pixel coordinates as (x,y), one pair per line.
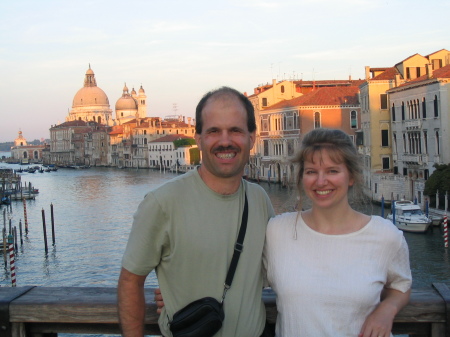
(393,121)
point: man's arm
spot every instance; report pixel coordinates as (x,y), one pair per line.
(131,301)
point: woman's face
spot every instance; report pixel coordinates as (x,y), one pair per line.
(326,182)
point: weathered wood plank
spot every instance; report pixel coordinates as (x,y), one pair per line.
(73,304)
(94,310)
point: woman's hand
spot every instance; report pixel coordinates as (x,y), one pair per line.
(159,300)
(379,322)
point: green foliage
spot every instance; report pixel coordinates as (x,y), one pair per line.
(184,142)
(195,156)
(439,180)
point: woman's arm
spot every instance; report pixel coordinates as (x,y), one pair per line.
(379,322)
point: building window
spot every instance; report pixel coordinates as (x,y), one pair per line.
(353,119)
(383,101)
(403,111)
(425,142)
(282,89)
(266,148)
(386,163)
(438,150)
(317,120)
(393,112)
(264,101)
(424,108)
(384,138)
(435,105)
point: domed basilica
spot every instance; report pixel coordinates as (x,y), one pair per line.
(91,104)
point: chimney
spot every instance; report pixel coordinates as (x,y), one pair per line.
(429,70)
(274,83)
(189,121)
(397,80)
(367,68)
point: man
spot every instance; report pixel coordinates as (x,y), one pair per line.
(187,228)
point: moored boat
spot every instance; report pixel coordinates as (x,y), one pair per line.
(408,217)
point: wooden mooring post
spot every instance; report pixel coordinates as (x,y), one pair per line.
(93,310)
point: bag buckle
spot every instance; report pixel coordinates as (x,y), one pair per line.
(239,247)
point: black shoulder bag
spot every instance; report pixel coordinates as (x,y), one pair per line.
(204,317)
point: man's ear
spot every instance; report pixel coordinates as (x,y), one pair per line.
(197,138)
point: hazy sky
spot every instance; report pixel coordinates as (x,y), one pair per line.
(178,50)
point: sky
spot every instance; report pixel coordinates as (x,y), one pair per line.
(178,50)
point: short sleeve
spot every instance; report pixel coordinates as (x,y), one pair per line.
(148,237)
(399,271)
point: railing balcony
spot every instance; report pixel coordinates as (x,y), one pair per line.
(413,124)
(413,158)
(34,311)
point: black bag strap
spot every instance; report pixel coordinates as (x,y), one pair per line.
(239,246)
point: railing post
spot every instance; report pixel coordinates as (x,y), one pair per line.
(5,326)
(444,292)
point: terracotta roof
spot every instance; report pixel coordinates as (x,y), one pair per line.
(117,130)
(323,96)
(328,83)
(72,123)
(388,74)
(170,138)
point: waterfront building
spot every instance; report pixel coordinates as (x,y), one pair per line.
(130,141)
(420,115)
(78,143)
(25,153)
(281,125)
(172,152)
(399,128)
(376,144)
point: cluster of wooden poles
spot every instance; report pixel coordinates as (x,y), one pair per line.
(10,241)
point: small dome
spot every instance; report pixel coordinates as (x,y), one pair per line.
(88,96)
(141,90)
(126,103)
(89,72)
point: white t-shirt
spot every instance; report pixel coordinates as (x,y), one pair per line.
(327,285)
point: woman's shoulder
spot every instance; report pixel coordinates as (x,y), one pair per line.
(386,226)
(283,218)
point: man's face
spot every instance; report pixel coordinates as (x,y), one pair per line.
(225,141)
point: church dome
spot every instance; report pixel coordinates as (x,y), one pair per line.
(126,103)
(90,94)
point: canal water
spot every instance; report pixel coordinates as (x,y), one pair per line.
(93,211)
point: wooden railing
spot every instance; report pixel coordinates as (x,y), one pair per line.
(38,311)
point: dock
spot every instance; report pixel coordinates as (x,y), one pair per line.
(34,311)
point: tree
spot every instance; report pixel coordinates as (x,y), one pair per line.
(439,180)
(184,142)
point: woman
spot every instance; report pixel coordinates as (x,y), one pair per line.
(336,271)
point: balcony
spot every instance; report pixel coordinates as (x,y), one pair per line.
(417,159)
(413,124)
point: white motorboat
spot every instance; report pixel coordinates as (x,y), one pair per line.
(409,217)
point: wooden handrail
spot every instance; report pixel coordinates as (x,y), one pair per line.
(29,311)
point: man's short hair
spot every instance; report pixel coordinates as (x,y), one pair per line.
(223,91)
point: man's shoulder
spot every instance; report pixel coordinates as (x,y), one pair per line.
(176,183)
(254,188)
